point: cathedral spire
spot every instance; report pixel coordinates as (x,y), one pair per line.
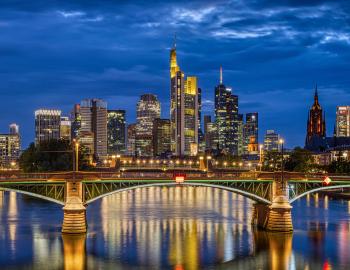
(316,93)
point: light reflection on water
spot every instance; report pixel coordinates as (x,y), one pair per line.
(172,228)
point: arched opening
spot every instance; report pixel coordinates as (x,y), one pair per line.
(32,195)
(238,191)
(317,190)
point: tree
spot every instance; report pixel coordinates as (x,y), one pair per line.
(339,166)
(53,155)
(300,160)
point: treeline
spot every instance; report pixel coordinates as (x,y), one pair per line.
(53,155)
(302,160)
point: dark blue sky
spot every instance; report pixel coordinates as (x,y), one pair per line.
(55,53)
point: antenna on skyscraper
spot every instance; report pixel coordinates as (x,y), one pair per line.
(220,74)
(175,40)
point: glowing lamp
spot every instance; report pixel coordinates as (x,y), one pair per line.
(327,180)
(179,179)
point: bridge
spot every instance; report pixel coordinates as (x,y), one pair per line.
(273,193)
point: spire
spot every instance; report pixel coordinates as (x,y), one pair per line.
(175,40)
(316,92)
(220,74)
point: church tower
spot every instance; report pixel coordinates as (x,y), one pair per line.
(316,123)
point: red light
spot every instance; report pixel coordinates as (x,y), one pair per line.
(179,179)
(327,180)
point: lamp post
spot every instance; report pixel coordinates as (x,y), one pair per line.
(281,142)
(261,147)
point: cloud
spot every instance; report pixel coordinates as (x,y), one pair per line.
(71,14)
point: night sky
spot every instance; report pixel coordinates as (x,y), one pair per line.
(55,53)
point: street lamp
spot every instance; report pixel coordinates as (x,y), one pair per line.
(281,142)
(261,147)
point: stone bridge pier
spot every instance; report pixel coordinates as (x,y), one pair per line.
(74,219)
(277,216)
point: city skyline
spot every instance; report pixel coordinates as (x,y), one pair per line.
(272,61)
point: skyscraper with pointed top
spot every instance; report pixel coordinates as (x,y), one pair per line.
(226,118)
(183,110)
(316,123)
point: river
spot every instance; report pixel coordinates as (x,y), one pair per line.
(173,228)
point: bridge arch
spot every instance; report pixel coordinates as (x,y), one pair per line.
(251,196)
(317,190)
(32,195)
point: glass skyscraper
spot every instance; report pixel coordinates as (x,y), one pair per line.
(116,143)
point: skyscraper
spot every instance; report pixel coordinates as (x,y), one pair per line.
(250,133)
(161,136)
(147,110)
(116,132)
(209,133)
(342,126)
(226,118)
(65,128)
(75,121)
(316,123)
(10,146)
(131,138)
(271,141)
(47,125)
(94,119)
(183,110)
(240,127)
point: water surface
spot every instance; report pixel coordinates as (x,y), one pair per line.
(173,228)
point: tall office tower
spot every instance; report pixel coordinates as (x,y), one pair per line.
(210,133)
(75,121)
(147,110)
(116,132)
(240,125)
(65,128)
(250,133)
(201,139)
(226,116)
(161,137)
(342,126)
(10,146)
(131,138)
(14,129)
(183,110)
(94,119)
(271,141)
(47,125)
(316,123)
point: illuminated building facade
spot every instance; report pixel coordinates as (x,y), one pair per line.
(240,138)
(10,148)
(250,133)
(316,124)
(147,110)
(161,137)
(94,119)
(271,141)
(47,125)
(131,138)
(342,127)
(75,121)
(116,132)
(183,110)
(226,117)
(14,129)
(86,140)
(65,128)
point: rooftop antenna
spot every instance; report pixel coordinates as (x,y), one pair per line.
(220,74)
